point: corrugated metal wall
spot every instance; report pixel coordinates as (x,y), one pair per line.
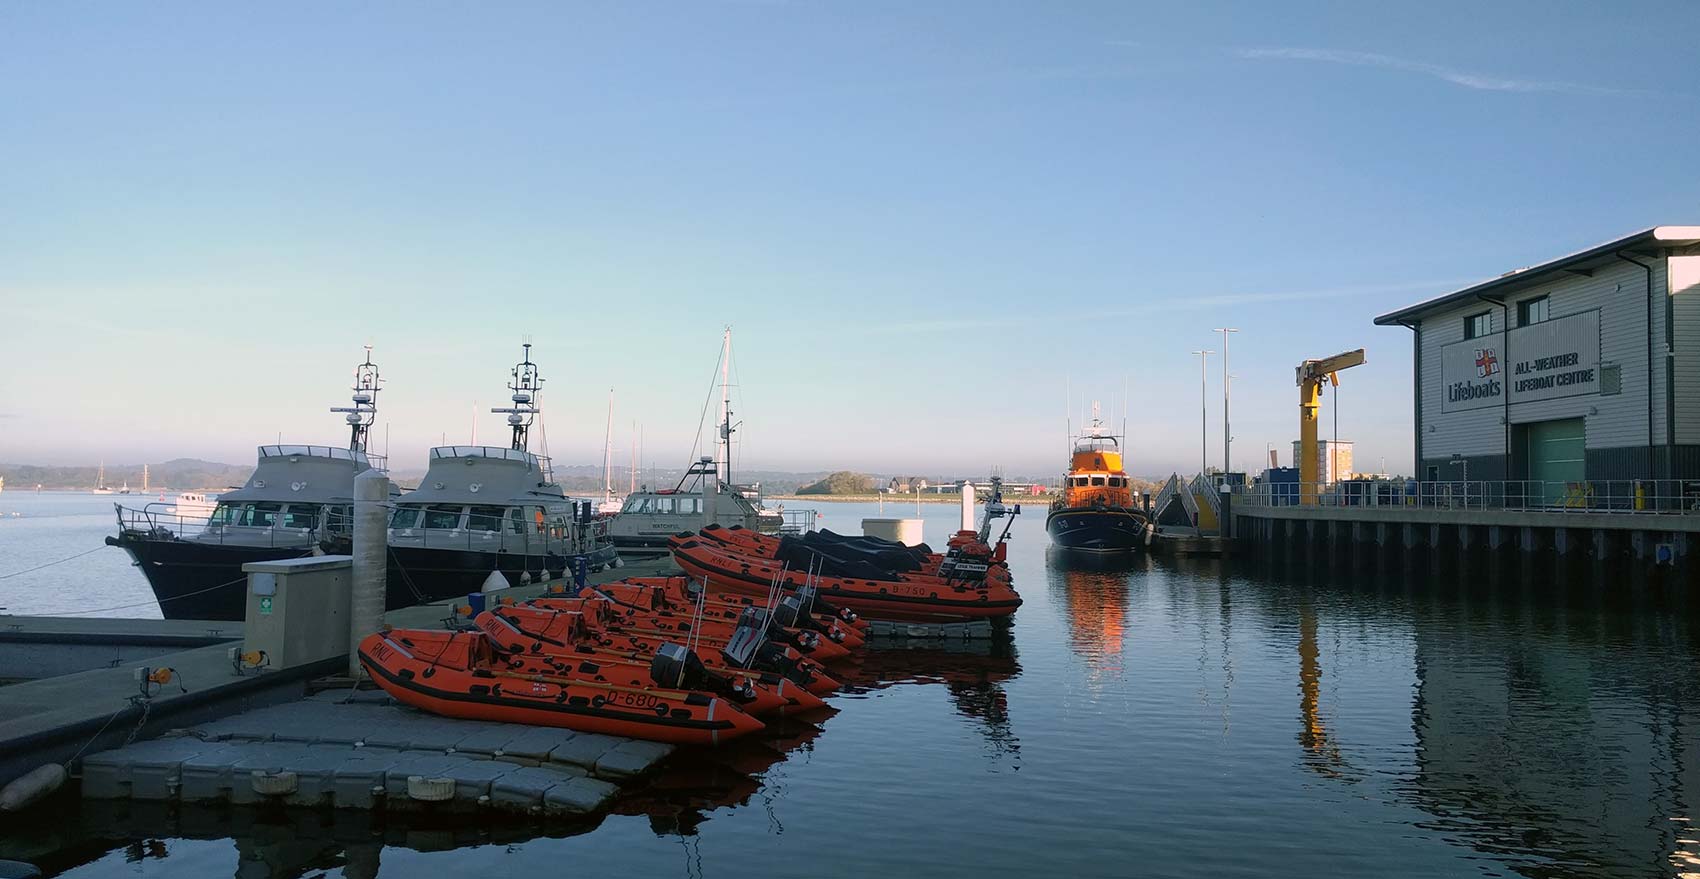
(1685,299)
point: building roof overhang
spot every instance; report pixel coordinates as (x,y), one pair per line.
(1582,262)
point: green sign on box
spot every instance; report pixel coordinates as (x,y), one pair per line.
(266,604)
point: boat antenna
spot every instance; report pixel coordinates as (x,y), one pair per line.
(607,452)
(364,412)
(525,385)
(723,460)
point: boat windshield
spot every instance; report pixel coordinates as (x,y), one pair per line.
(1095,444)
(253,515)
(485,518)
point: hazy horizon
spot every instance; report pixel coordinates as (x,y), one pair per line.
(935,229)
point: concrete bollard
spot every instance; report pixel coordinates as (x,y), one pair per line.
(371,561)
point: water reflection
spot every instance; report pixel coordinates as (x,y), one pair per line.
(1554,733)
(1093,592)
(973,672)
(266,843)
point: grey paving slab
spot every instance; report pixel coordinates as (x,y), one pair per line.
(315,775)
(487,738)
(578,796)
(151,768)
(631,758)
(585,749)
(534,743)
(357,781)
(473,777)
(264,757)
(524,787)
(415,763)
(207,775)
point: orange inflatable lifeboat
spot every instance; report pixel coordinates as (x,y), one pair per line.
(460,675)
(679,595)
(750,693)
(679,626)
(536,630)
(894,597)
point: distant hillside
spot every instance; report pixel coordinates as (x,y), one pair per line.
(841,482)
(180,474)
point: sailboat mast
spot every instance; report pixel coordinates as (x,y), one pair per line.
(631,462)
(607,452)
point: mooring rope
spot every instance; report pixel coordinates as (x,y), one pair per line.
(50,564)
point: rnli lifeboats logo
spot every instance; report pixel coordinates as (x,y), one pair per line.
(1487,362)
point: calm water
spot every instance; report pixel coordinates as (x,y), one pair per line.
(1164,719)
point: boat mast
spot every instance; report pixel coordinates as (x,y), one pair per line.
(525,386)
(364,412)
(723,430)
(607,452)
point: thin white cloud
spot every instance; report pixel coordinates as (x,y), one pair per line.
(1465,78)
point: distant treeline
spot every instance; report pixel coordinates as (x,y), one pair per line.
(180,474)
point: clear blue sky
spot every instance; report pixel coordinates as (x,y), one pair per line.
(206,209)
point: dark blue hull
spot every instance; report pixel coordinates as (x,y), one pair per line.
(1097,530)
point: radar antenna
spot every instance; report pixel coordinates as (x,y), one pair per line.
(365,409)
(525,385)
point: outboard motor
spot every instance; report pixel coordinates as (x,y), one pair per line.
(810,596)
(678,668)
(747,638)
(790,613)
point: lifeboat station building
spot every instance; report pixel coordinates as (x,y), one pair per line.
(1581,374)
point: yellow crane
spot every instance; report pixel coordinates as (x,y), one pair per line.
(1311,375)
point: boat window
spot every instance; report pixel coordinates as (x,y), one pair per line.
(690,506)
(227,514)
(442,517)
(1079,481)
(1097,480)
(516,520)
(1115,482)
(263,515)
(301,516)
(406,517)
(485,518)
(639,505)
(664,506)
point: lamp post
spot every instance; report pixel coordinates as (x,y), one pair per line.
(1203,412)
(1227,381)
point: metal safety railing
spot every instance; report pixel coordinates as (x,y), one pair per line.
(161,521)
(376,462)
(1630,496)
(797,521)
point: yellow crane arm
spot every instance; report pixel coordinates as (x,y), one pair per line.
(1311,374)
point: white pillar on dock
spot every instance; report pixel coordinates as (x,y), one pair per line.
(371,557)
(967,506)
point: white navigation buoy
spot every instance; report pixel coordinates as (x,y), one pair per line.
(494,583)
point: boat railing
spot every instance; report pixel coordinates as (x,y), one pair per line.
(376,462)
(797,521)
(161,521)
(498,453)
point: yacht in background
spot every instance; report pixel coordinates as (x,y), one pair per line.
(193,504)
(297,495)
(486,517)
(649,517)
(100,481)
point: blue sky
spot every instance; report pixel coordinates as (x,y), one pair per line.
(209,209)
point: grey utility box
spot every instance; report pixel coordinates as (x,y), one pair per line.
(298,609)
